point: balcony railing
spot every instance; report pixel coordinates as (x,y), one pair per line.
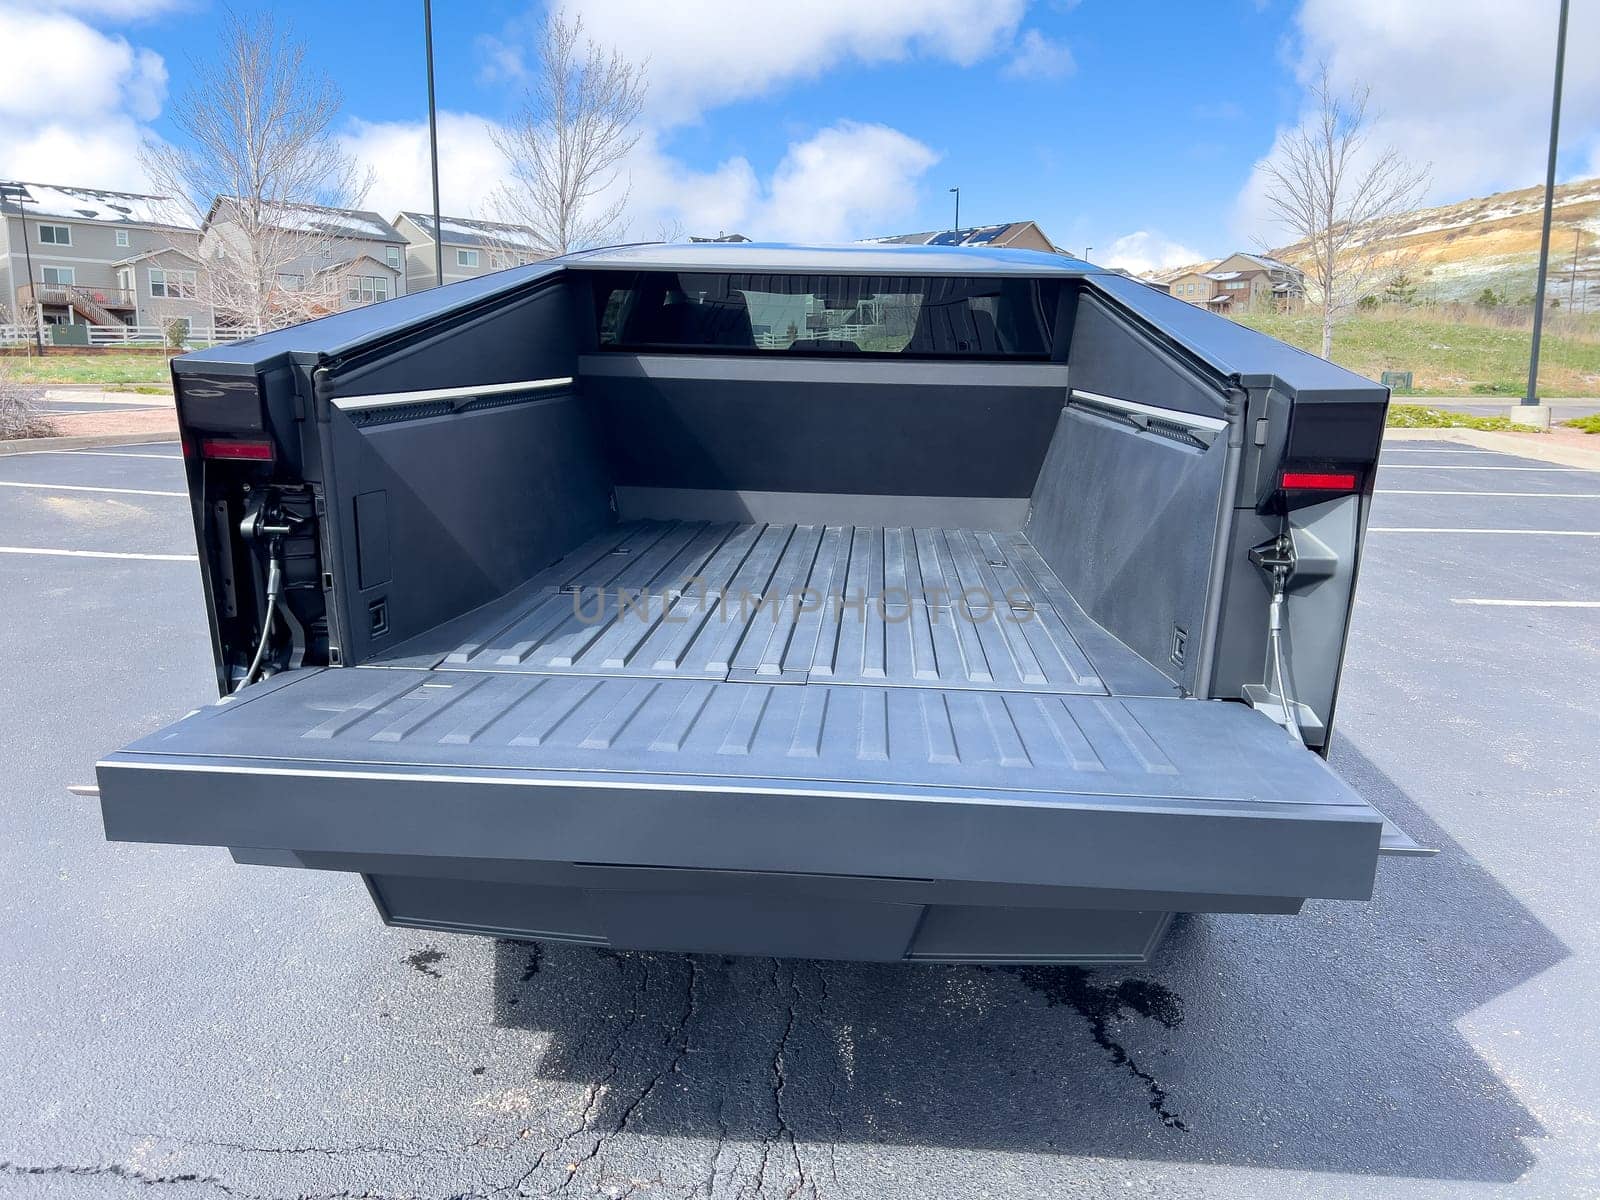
(67,293)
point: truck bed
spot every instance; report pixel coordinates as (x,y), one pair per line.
(934,784)
(952,609)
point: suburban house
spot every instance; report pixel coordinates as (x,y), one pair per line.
(97,258)
(1243,281)
(1016,235)
(328,259)
(471,247)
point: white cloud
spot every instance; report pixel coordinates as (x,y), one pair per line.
(845,181)
(1461,84)
(59,67)
(1039,57)
(1146,251)
(126,10)
(471,167)
(851,180)
(73,108)
(702,53)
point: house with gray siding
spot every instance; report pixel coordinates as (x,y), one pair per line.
(471,247)
(92,253)
(326,259)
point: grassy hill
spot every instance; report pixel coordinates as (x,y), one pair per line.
(1450,355)
(1454,251)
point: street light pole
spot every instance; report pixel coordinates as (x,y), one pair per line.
(1532,396)
(433,147)
(957,191)
(1086,250)
(21,196)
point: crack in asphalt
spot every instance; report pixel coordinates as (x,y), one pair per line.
(145,1178)
(649,1059)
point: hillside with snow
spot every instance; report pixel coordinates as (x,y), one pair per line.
(1457,250)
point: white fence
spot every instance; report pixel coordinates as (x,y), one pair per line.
(124,335)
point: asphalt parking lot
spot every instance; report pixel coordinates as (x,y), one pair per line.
(172,1020)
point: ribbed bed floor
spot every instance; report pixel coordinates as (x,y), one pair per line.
(937,608)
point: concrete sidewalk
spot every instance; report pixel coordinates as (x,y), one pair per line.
(1566,448)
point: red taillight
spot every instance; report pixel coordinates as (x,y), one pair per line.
(1318,481)
(249,451)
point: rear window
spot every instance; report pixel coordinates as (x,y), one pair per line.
(926,316)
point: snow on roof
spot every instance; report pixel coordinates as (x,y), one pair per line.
(332,222)
(1271,264)
(1223,275)
(982,235)
(466,231)
(87,204)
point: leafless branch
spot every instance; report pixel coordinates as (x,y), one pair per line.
(256,131)
(567,143)
(1342,202)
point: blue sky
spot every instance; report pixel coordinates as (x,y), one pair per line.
(1132,126)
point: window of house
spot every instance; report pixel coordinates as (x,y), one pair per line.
(55,235)
(466,258)
(125,278)
(60,276)
(290,282)
(122,237)
(166,284)
(391,255)
(365,289)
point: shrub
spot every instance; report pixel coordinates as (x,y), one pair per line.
(1418,416)
(20,415)
(1589,424)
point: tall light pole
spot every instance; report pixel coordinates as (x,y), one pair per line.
(1532,396)
(957,191)
(433,146)
(21,195)
(1086,250)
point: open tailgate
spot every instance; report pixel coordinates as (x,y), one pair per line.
(1088,792)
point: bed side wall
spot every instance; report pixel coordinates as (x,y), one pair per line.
(438,508)
(1127,517)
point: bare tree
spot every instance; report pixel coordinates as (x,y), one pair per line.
(567,142)
(1342,202)
(256,139)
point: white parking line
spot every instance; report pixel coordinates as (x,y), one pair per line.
(1528,532)
(1434,450)
(83,487)
(1529,603)
(116,454)
(1530,495)
(96,554)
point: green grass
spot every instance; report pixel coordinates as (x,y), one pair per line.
(1417,416)
(1445,359)
(1589,424)
(114,371)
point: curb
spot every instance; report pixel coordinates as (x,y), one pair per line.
(1525,445)
(46,445)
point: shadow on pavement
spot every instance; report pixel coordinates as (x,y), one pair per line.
(1323,1042)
